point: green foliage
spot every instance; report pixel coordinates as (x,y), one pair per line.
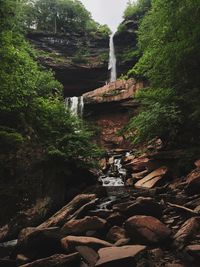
(159,116)
(60,16)
(136,10)
(31,102)
(169,41)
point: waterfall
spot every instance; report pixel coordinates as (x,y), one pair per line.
(75,105)
(112,60)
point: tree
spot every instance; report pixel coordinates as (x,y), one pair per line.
(169,42)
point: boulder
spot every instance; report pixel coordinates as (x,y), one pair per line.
(152,179)
(119,256)
(193,182)
(116,233)
(187,231)
(61,217)
(75,227)
(146,230)
(138,164)
(70,242)
(57,260)
(144,206)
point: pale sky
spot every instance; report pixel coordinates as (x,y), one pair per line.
(108,12)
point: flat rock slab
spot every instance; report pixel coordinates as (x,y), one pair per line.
(152,179)
(89,255)
(115,256)
(70,242)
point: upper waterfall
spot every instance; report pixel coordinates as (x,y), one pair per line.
(112,60)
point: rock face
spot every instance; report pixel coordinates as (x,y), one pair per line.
(146,230)
(74,55)
(109,108)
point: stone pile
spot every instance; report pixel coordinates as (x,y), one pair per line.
(149,226)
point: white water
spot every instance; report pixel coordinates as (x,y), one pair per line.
(112,60)
(75,105)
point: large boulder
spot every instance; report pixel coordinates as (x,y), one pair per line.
(119,256)
(153,178)
(57,260)
(146,230)
(70,242)
(75,227)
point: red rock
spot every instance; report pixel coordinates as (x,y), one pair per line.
(70,242)
(153,178)
(193,181)
(75,227)
(187,231)
(116,233)
(89,255)
(115,218)
(197,163)
(119,256)
(59,218)
(146,230)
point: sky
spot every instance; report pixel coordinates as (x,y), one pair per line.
(108,12)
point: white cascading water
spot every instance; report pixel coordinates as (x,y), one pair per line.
(112,60)
(75,105)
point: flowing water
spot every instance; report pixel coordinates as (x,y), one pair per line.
(112,60)
(75,105)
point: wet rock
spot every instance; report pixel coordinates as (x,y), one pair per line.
(187,231)
(62,215)
(89,255)
(138,164)
(194,251)
(70,242)
(57,260)
(75,227)
(144,206)
(139,175)
(152,179)
(193,180)
(116,218)
(102,213)
(147,230)
(116,233)
(119,256)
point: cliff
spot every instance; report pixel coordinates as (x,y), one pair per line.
(110,108)
(80,61)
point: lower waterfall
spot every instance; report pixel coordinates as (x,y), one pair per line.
(75,105)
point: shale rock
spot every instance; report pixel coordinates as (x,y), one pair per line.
(187,231)
(144,206)
(61,217)
(120,256)
(146,230)
(75,227)
(70,242)
(116,233)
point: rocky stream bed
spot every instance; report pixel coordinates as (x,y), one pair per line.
(152,221)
